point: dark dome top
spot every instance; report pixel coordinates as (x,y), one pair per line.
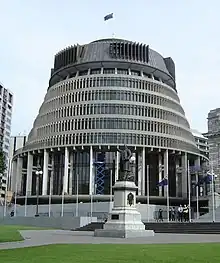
(112,40)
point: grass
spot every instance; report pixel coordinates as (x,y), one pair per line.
(109,253)
(9,233)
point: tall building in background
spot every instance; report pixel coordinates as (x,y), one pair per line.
(6,104)
(16,142)
(213,136)
(201,142)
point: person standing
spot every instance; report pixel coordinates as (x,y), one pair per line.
(173,214)
(186,213)
(160,215)
(180,213)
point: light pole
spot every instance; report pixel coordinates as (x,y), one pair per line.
(38,173)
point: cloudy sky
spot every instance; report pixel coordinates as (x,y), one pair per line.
(33,31)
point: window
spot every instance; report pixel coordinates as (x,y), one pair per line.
(83,73)
(122,71)
(95,71)
(135,73)
(10,98)
(108,71)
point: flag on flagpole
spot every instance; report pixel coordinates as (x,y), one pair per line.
(207,179)
(163,182)
(107,17)
(194,169)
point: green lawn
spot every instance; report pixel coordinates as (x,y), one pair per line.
(105,253)
(9,233)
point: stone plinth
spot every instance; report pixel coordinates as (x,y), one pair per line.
(124,221)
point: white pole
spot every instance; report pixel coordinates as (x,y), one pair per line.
(62,206)
(25,205)
(16,189)
(6,194)
(91,204)
(213,194)
(50,195)
(197,196)
(168,205)
(77,194)
(110,202)
(148,194)
(166,175)
(189,190)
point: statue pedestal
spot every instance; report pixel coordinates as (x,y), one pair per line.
(124,221)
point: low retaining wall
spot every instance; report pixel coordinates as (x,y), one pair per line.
(65,223)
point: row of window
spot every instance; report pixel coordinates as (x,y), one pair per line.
(113,123)
(108,95)
(100,138)
(98,71)
(86,82)
(116,109)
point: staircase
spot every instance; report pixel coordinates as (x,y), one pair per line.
(178,228)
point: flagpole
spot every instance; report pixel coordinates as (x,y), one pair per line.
(213,194)
(110,191)
(189,190)
(6,192)
(148,194)
(168,205)
(91,204)
(25,205)
(197,196)
(77,194)
(50,195)
(62,205)
(166,176)
(15,206)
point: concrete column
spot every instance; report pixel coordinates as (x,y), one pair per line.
(117,165)
(29,174)
(66,168)
(143,172)
(13,175)
(71,174)
(160,172)
(45,173)
(91,181)
(184,175)
(19,174)
(166,169)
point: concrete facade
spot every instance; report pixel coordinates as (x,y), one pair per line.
(101,96)
(213,136)
(6,105)
(201,142)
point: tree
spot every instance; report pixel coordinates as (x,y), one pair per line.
(2,163)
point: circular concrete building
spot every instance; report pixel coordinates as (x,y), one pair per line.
(101,96)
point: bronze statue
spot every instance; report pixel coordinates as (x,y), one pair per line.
(125,172)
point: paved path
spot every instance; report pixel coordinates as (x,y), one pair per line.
(45,237)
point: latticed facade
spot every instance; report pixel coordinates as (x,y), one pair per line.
(101,96)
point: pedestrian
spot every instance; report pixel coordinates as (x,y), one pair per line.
(186,213)
(170,214)
(173,214)
(160,215)
(180,213)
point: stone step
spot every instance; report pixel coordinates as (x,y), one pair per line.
(181,228)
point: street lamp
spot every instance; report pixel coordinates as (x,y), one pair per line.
(38,173)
